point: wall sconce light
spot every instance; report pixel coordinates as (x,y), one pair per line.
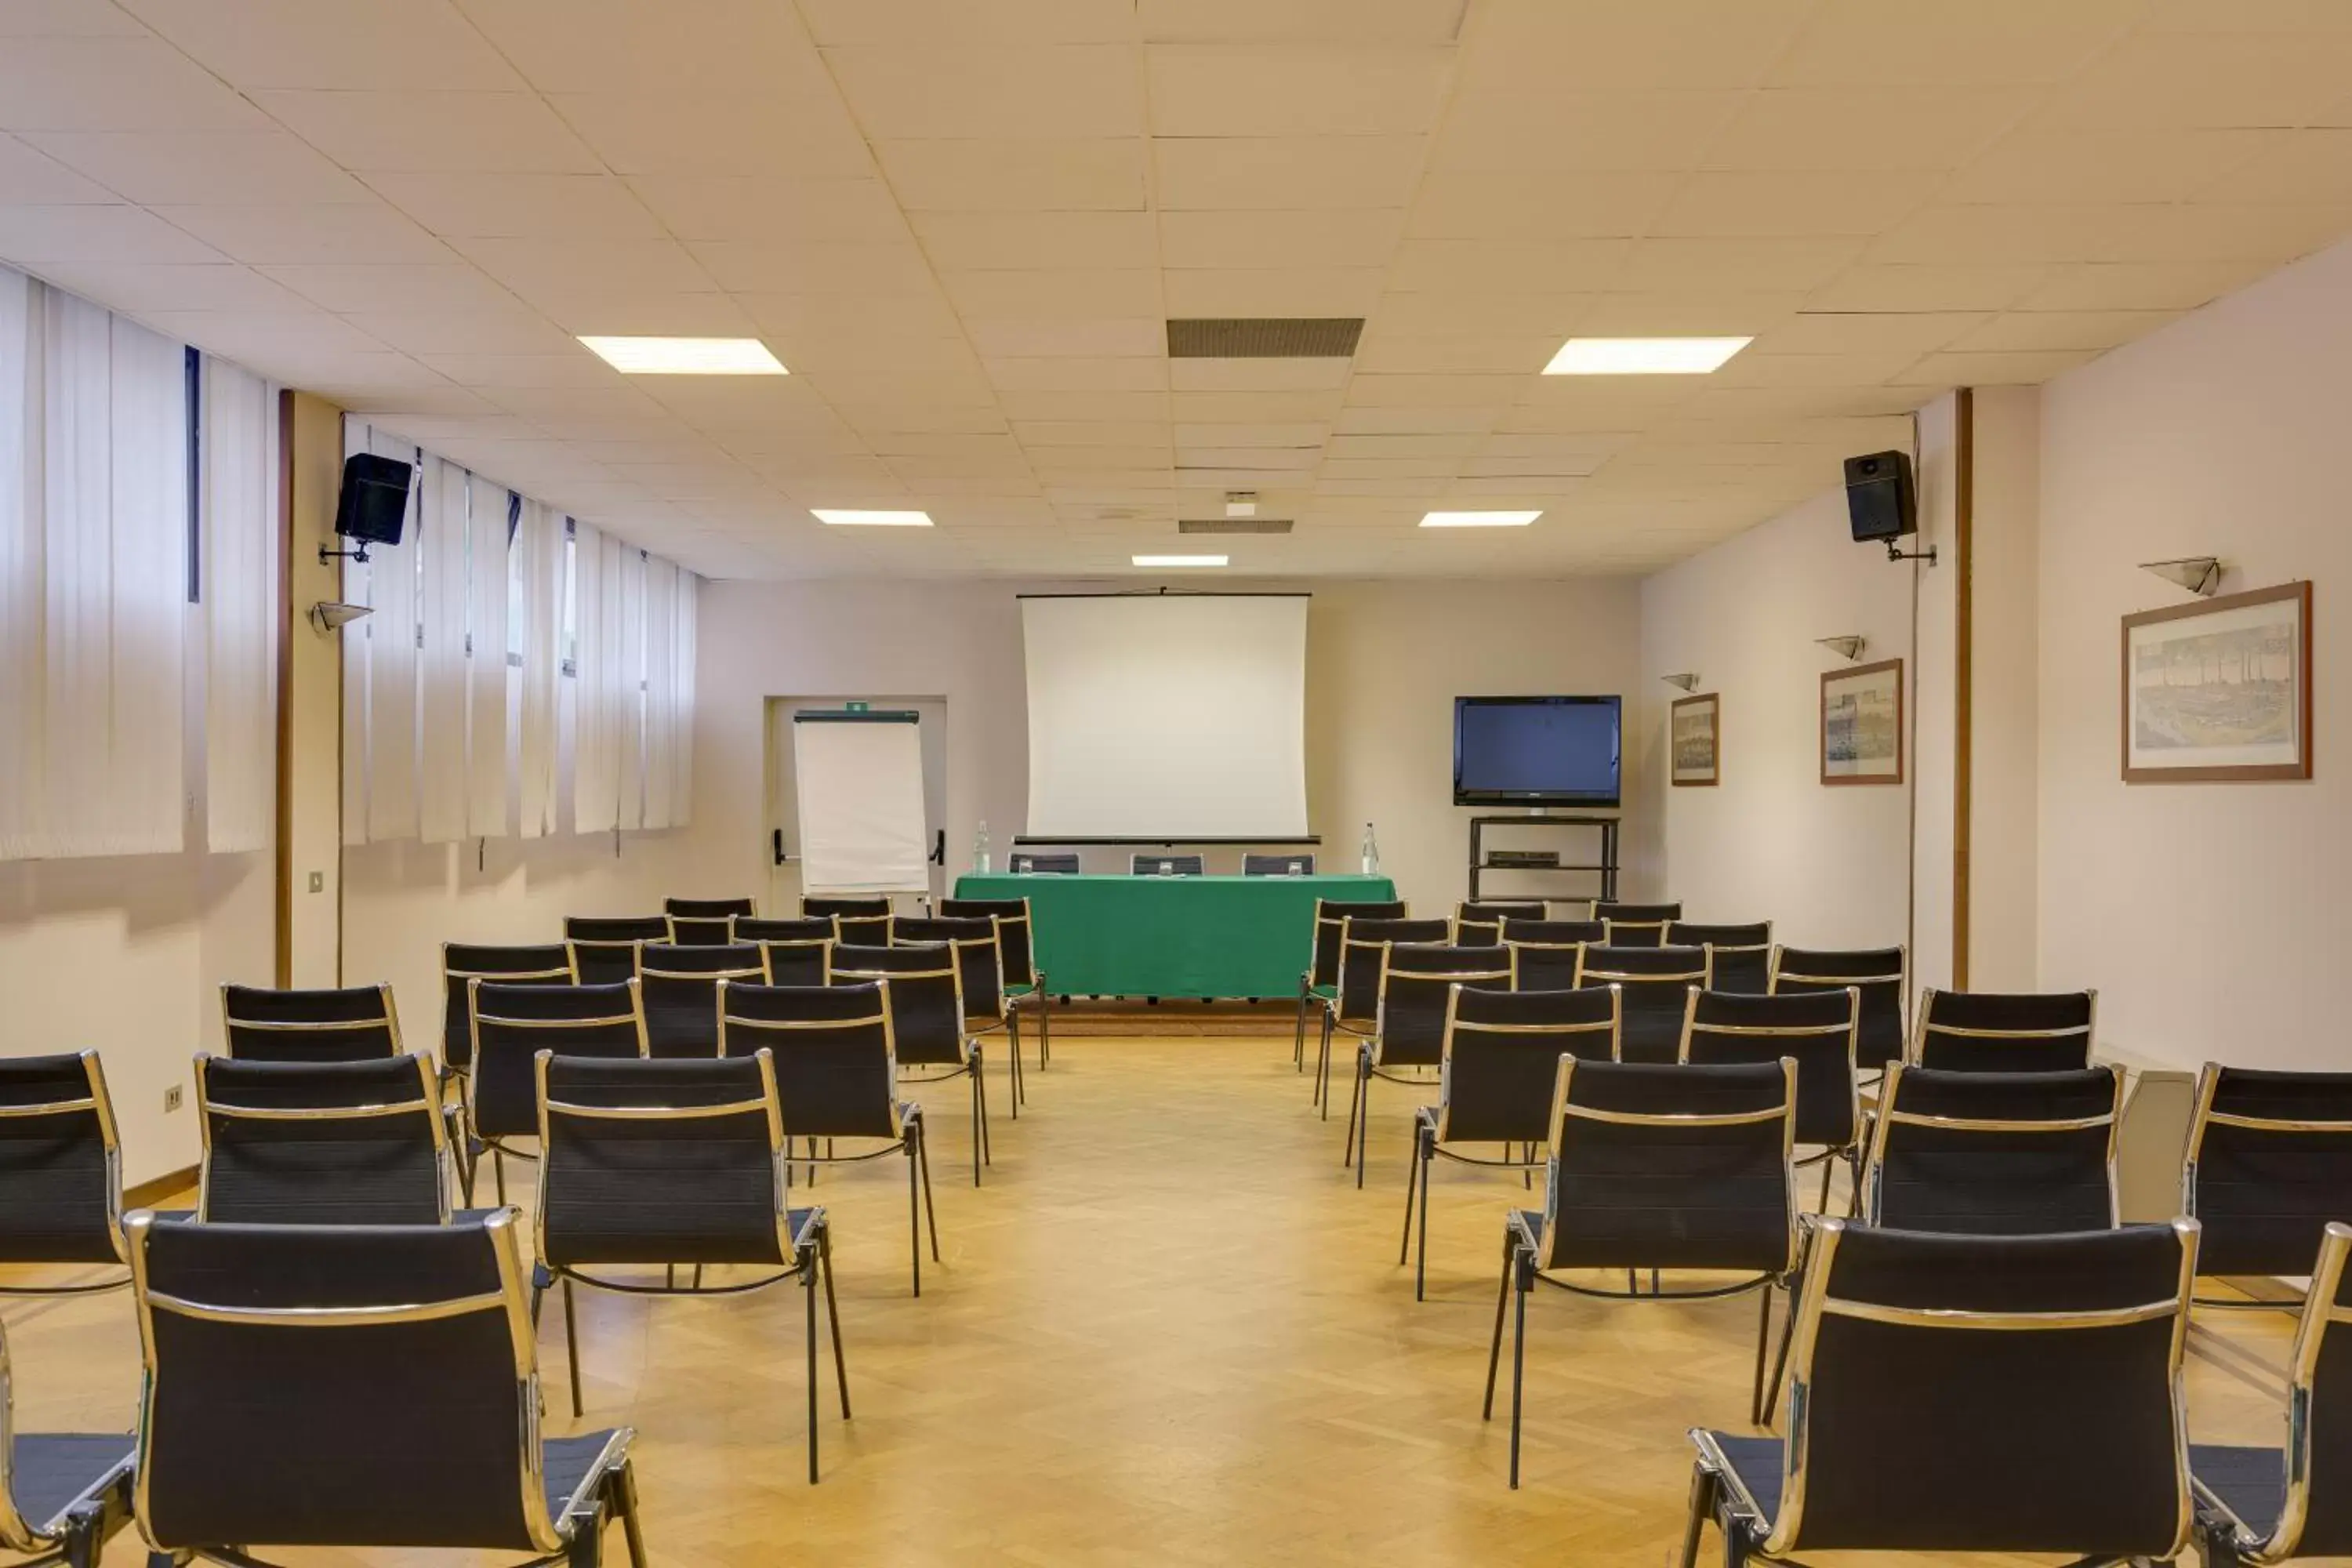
(1847,648)
(2201,574)
(1687,681)
(331,615)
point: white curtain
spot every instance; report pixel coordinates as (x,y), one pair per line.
(541,545)
(152,497)
(681,800)
(390,762)
(23,643)
(78,564)
(487,585)
(240,603)
(630,699)
(441,652)
(597,740)
(661,693)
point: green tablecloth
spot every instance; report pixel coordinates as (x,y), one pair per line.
(1173,936)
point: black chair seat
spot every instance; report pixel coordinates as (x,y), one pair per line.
(51,1472)
(2250,1482)
(571,1468)
(1754,1465)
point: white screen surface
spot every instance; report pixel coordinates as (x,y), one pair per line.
(1176,716)
(860,783)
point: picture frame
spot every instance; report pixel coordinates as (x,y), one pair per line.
(1695,740)
(1862,723)
(2219,691)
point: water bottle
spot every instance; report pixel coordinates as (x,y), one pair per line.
(1371,852)
(979,851)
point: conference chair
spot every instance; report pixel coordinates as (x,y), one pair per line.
(1016,954)
(1278,865)
(353,1023)
(605,948)
(1636,925)
(679,990)
(360,1386)
(1655,1168)
(793,953)
(1320,980)
(1656,982)
(462,963)
(63,1495)
(979,955)
(2274,1505)
(1481,925)
(1986,1031)
(1499,1059)
(1023,863)
(927,1014)
(2269,1166)
(1994,1153)
(865,922)
(1882,975)
(1409,1040)
(1963,1393)
(1545,953)
(1817,1032)
(60,1170)
(1166,865)
(706,922)
(512,1024)
(667,1164)
(836,1067)
(1738,957)
(1354,1006)
(322,1142)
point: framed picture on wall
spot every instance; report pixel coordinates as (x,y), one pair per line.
(2219,689)
(1695,737)
(1862,724)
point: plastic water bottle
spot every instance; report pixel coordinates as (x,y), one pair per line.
(1371,852)
(979,851)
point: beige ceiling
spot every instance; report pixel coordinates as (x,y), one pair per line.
(962,222)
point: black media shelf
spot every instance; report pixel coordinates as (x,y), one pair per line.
(1605,868)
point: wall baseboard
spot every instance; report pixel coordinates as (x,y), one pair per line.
(146,1194)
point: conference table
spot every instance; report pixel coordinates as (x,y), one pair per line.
(1172,936)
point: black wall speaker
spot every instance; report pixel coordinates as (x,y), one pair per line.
(1880,501)
(374,500)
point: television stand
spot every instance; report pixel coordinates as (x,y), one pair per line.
(1603,866)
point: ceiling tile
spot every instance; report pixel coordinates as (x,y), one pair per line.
(1553,203)
(764,133)
(1286,172)
(1836,333)
(1942,370)
(1650,132)
(1323,291)
(959,242)
(338,233)
(746,207)
(1869,129)
(836,22)
(348,45)
(1053,90)
(813,266)
(694,48)
(345,288)
(31,177)
(2058,165)
(1907,288)
(1241,240)
(2208,79)
(143,289)
(33,236)
(67,19)
(519,205)
(1520,265)
(1299,21)
(154,167)
(505,328)
(1042,295)
(1338,89)
(994,175)
(432,132)
(1522,47)
(1927,43)
(114,84)
(1069,339)
(2139,286)
(2045,331)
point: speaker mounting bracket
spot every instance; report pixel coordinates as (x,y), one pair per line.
(1896,553)
(359,556)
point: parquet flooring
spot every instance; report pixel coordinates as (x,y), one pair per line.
(1169,1330)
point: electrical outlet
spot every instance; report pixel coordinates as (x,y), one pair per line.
(171,1099)
(318,881)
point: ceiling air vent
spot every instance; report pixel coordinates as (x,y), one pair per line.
(1265,337)
(1234,525)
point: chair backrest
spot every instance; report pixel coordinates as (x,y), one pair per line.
(1988,1031)
(1278,865)
(711,909)
(1502,1057)
(322,1142)
(1481,925)
(2270,1164)
(866,922)
(1671,1167)
(927,1010)
(1657,983)
(1025,863)
(797,962)
(1545,953)
(1739,957)
(348,1024)
(1815,1029)
(1157,865)
(831,1047)
(799,928)
(2315,1519)
(700,930)
(288,1366)
(1016,952)
(661,1162)
(1331,916)
(1997,1355)
(1994,1153)
(512,1024)
(61,1162)
(548,964)
(605,947)
(680,993)
(1881,973)
(1363,958)
(1636,925)
(1414,993)
(978,956)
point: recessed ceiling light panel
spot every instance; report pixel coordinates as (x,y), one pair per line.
(1180,559)
(1479,518)
(1642,356)
(687,356)
(852,518)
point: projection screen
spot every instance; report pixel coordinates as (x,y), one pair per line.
(1167,717)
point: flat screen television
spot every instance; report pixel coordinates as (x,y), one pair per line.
(1536,751)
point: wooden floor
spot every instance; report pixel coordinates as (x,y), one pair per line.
(1169,1330)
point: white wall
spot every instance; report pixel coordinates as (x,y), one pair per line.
(2210,915)
(1384,661)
